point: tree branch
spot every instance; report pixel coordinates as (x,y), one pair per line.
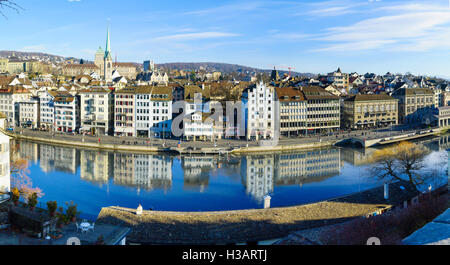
(9,4)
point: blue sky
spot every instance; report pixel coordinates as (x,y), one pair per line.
(312,36)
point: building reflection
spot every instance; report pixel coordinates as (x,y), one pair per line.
(441,143)
(196,170)
(66,159)
(143,171)
(28,150)
(357,157)
(96,166)
(257,172)
(153,171)
(307,167)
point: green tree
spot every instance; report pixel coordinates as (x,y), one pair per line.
(193,76)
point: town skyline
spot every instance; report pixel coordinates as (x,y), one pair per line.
(316,37)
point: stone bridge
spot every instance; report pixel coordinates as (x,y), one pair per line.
(366,142)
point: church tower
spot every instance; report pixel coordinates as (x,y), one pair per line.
(108,61)
(99,62)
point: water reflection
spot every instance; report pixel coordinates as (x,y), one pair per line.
(96,166)
(212,176)
(307,167)
(197,170)
(143,171)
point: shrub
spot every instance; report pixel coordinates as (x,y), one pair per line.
(62,218)
(32,200)
(52,206)
(71,211)
(15,194)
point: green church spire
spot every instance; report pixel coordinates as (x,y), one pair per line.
(108,45)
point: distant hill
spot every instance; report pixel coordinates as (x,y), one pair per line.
(208,66)
(223,67)
(33,55)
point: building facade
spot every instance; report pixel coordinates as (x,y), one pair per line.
(154,111)
(10,97)
(67,112)
(258,108)
(323,110)
(29,113)
(293,107)
(124,112)
(415,105)
(97,111)
(5,179)
(370,111)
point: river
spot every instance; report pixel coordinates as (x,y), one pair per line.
(94,179)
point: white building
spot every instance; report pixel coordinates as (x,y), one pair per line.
(29,113)
(154,77)
(9,102)
(259,175)
(153,111)
(259,111)
(198,126)
(5,180)
(67,112)
(47,109)
(153,172)
(97,111)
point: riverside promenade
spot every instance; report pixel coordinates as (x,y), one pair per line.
(222,146)
(244,226)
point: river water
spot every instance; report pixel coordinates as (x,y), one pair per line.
(94,179)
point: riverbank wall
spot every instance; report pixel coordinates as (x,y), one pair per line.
(254,225)
(160,149)
(284,148)
(87,145)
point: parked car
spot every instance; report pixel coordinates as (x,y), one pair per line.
(10,129)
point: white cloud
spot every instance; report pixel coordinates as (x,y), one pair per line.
(417,27)
(34,48)
(196,36)
(227,8)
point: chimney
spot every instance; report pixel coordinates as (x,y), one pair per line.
(386,191)
(267,199)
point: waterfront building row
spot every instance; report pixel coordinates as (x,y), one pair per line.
(265,111)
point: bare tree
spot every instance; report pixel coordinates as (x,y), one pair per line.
(8,4)
(403,161)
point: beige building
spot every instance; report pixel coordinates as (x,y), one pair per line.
(4,65)
(415,104)
(444,117)
(370,111)
(338,79)
(323,109)
(124,117)
(127,70)
(79,69)
(307,166)
(16,66)
(292,111)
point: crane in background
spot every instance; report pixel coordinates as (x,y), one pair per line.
(285,67)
